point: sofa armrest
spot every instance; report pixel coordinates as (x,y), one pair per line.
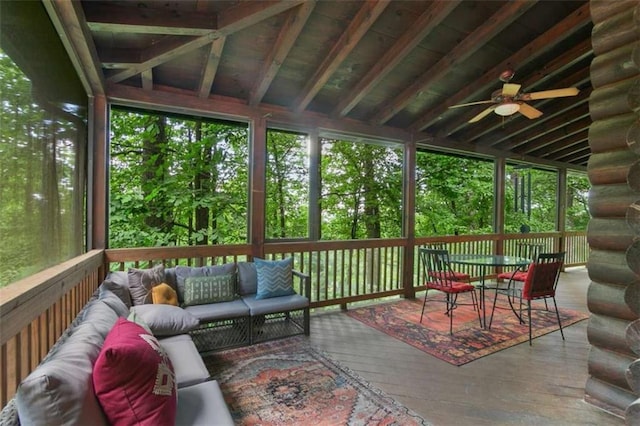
(305,283)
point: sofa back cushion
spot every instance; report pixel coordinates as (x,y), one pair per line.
(134,379)
(113,301)
(100,315)
(247,278)
(118,283)
(60,390)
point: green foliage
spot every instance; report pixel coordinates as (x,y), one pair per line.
(361,190)
(176,182)
(453,195)
(577,217)
(287,186)
(542,215)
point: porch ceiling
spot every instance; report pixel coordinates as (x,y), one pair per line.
(390,68)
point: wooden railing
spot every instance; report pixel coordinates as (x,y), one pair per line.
(35,312)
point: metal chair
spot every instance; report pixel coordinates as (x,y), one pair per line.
(439,276)
(455,275)
(527,251)
(540,283)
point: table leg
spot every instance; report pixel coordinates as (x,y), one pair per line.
(482,295)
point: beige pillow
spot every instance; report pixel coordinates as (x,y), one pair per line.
(164,294)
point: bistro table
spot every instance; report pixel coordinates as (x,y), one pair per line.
(485,261)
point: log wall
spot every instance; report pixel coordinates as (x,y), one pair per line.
(614,203)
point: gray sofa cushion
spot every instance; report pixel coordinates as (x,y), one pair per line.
(187,363)
(113,301)
(216,311)
(202,405)
(101,316)
(60,391)
(275,304)
(166,320)
(247,278)
(118,283)
(184,272)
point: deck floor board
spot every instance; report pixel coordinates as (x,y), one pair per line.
(522,385)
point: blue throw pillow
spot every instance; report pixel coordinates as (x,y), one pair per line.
(275,278)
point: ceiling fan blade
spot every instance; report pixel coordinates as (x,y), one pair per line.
(483,114)
(471,103)
(510,89)
(529,111)
(546,94)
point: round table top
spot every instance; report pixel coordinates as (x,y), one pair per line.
(488,260)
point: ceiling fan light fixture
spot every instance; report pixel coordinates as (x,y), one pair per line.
(507,108)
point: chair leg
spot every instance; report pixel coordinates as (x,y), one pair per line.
(451,301)
(493,308)
(529,312)
(476,306)
(557,315)
(424,304)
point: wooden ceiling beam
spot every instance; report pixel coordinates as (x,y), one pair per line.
(289,32)
(577,122)
(166,56)
(247,13)
(211,68)
(463,50)
(70,23)
(579,138)
(563,29)
(580,156)
(424,25)
(111,17)
(229,21)
(358,27)
(147,79)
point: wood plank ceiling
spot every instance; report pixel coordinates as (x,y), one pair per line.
(369,67)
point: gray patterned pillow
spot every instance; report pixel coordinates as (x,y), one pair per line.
(141,281)
(213,289)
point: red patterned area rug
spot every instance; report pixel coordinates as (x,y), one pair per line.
(401,319)
(288,382)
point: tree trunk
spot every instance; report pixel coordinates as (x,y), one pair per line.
(153,155)
(202,180)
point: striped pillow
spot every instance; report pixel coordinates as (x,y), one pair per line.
(275,278)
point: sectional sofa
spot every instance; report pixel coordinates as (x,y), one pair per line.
(128,360)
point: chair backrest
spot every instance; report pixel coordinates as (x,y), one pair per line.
(436,266)
(543,275)
(437,245)
(527,250)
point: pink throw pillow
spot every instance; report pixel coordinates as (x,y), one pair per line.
(133,378)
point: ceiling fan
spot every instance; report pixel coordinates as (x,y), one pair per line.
(509,100)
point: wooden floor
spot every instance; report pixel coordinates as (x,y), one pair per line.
(538,385)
